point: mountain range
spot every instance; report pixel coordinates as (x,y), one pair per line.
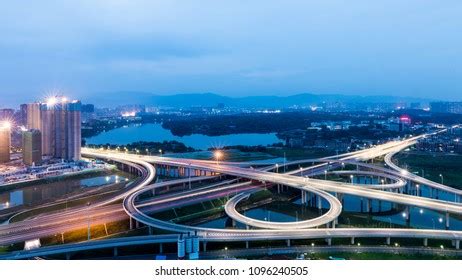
(211,99)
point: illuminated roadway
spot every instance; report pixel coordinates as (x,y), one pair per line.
(328,190)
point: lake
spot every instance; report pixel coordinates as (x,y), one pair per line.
(156,133)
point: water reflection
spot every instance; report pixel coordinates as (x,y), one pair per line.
(33,195)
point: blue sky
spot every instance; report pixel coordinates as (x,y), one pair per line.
(234,48)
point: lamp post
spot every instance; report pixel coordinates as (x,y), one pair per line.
(189,175)
(442,179)
(218,155)
(325,174)
(284,162)
(160,152)
(88,221)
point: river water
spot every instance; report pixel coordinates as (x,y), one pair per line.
(156,133)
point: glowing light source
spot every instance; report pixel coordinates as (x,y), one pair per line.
(51,101)
(218,155)
(5,124)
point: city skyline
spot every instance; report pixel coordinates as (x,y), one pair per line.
(265,131)
(405,49)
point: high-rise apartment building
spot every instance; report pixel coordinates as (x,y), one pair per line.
(5,141)
(61,128)
(32,147)
(33,117)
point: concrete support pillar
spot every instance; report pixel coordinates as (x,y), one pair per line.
(457,244)
(131,223)
(288,242)
(425,242)
(150,230)
(352,241)
(388,241)
(247,244)
(161,248)
(368,205)
(319,202)
(204,246)
(116,252)
(137,224)
(447,220)
(329,241)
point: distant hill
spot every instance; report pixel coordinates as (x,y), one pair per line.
(211,99)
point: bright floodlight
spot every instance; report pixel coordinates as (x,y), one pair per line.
(6,124)
(63,99)
(52,101)
(218,154)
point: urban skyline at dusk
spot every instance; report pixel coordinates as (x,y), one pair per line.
(254,136)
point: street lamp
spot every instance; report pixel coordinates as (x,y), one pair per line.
(325,174)
(88,221)
(189,175)
(277,168)
(301,171)
(351,177)
(160,152)
(218,155)
(284,162)
(442,179)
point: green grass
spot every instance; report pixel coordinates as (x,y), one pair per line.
(119,228)
(450,166)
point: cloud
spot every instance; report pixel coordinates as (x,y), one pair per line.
(231,47)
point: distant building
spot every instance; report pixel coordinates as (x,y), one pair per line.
(88,112)
(5,142)
(446,107)
(88,108)
(400,124)
(23,114)
(32,147)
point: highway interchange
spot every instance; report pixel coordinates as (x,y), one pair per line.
(246,177)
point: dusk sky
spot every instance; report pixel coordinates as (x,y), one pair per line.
(234,48)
